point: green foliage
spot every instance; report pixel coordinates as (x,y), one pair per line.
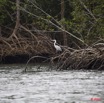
(6,9)
(76,20)
(85,23)
(2,15)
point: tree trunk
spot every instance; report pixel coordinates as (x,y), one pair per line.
(0,32)
(17,19)
(63,26)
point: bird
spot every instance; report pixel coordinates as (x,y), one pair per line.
(58,48)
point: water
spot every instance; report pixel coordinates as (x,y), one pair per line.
(50,86)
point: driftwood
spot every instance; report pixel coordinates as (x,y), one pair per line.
(89,58)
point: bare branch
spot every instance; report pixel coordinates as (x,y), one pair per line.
(29,32)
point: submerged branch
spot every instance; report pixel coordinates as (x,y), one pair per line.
(33,58)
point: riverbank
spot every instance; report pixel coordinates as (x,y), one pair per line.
(41,48)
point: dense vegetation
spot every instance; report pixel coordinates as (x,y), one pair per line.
(28,26)
(83,18)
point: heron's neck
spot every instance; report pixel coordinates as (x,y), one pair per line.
(54,43)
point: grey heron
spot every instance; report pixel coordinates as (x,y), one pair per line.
(58,48)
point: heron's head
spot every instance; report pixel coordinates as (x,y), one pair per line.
(54,40)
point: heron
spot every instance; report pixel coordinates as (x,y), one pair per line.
(58,48)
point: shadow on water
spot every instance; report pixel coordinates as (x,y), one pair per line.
(45,86)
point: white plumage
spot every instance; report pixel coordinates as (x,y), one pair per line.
(58,48)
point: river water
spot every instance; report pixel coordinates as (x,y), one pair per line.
(50,86)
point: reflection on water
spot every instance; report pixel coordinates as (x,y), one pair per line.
(50,86)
